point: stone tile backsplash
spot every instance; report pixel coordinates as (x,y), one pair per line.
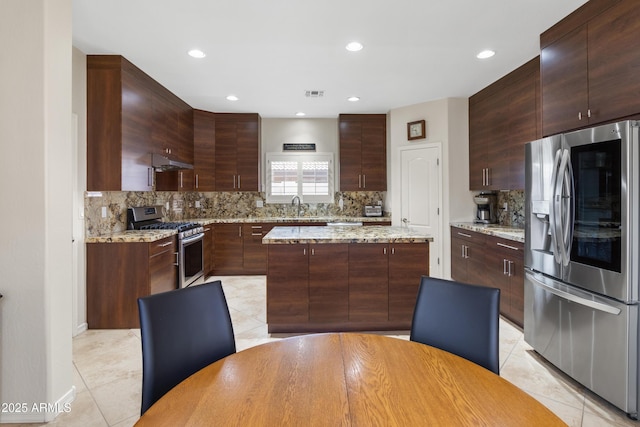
(182,206)
(514,215)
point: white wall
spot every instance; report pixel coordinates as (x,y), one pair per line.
(447,123)
(322,132)
(35,184)
(79,108)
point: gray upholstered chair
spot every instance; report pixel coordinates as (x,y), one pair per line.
(182,332)
(459,318)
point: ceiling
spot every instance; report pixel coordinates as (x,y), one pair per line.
(270,52)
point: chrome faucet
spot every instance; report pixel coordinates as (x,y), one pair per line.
(294,201)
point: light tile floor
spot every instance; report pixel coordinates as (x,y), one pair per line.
(108,368)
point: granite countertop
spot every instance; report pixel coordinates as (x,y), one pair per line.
(132,236)
(344,234)
(276,220)
(502,231)
(154,235)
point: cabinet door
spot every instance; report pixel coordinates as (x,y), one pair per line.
(476,264)
(368,282)
(228,248)
(204,139)
(207,249)
(350,155)
(479,134)
(374,154)
(497,267)
(517,289)
(523,125)
(497,139)
(137,117)
(248,155)
(408,262)
(225,159)
(458,260)
(163,275)
(288,284)
(329,283)
(564,80)
(614,62)
(255,253)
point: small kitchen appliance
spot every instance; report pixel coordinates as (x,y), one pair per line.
(190,255)
(485,208)
(373,210)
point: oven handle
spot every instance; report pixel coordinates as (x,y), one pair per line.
(573,298)
(192,239)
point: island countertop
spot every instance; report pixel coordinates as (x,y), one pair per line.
(344,234)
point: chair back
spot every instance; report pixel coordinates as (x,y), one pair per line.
(182,332)
(459,318)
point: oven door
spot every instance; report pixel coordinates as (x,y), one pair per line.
(605,186)
(191,265)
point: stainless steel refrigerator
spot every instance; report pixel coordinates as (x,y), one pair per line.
(582,257)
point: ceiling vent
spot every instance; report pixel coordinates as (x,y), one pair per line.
(314,93)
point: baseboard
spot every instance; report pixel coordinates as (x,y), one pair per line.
(81,328)
(20,413)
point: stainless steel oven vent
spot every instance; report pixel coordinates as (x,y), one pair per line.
(314,93)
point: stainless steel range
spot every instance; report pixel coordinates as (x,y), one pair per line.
(190,255)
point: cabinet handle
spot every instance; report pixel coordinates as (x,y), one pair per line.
(207,229)
(384,251)
(510,272)
(364,181)
(589,113)
(484,176)
(466,251)
(304,251)
(464,235)
(177,262)
(507,246)
(504,267)
(239,231)
(181,184)
(234,182)
(393,251)
(359,181)
(462,251)
(239,186)
(197,186)
(150,177)
(313,251)
(256,234)
(257,226)
(164,245)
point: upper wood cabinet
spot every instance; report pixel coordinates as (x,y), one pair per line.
(130,116)
(363,152)
(237,152)
(589,66)
(204,140)
(503,117)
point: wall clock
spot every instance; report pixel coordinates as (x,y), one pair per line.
(416,130)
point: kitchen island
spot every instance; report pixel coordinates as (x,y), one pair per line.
(343,278)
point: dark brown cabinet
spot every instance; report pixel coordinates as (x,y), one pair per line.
(589,66)
(408,262)
(468,256)
(363,152)
(237,152)
(485,260)
(368,282)
(207,249)
(254,252)
(119,273)
(228,249)
(502,118)
(204,140)
(329,283)
(130,116)
(346,286)
(288,284)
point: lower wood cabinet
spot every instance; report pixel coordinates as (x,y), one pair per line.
(119,273)
(485,260)
(207,250)
(343,286)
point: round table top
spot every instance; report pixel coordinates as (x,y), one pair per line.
(346,379)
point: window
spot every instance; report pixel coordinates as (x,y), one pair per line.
(308,175)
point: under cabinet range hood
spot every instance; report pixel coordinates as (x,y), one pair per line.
(163,163)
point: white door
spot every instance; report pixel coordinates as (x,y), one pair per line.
(421,197)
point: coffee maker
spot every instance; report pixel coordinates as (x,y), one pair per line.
(485,208)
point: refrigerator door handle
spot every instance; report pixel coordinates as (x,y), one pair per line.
(575,298)
(554,212)
(567,198)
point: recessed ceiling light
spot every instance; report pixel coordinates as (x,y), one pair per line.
(354,46)
(353,99)
(300,114)
(232,98)
(485,54)
(196,53)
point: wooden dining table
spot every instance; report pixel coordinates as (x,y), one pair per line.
(346,379)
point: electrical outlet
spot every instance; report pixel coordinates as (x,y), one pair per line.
(197,203)
(259,203)
(104,212)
